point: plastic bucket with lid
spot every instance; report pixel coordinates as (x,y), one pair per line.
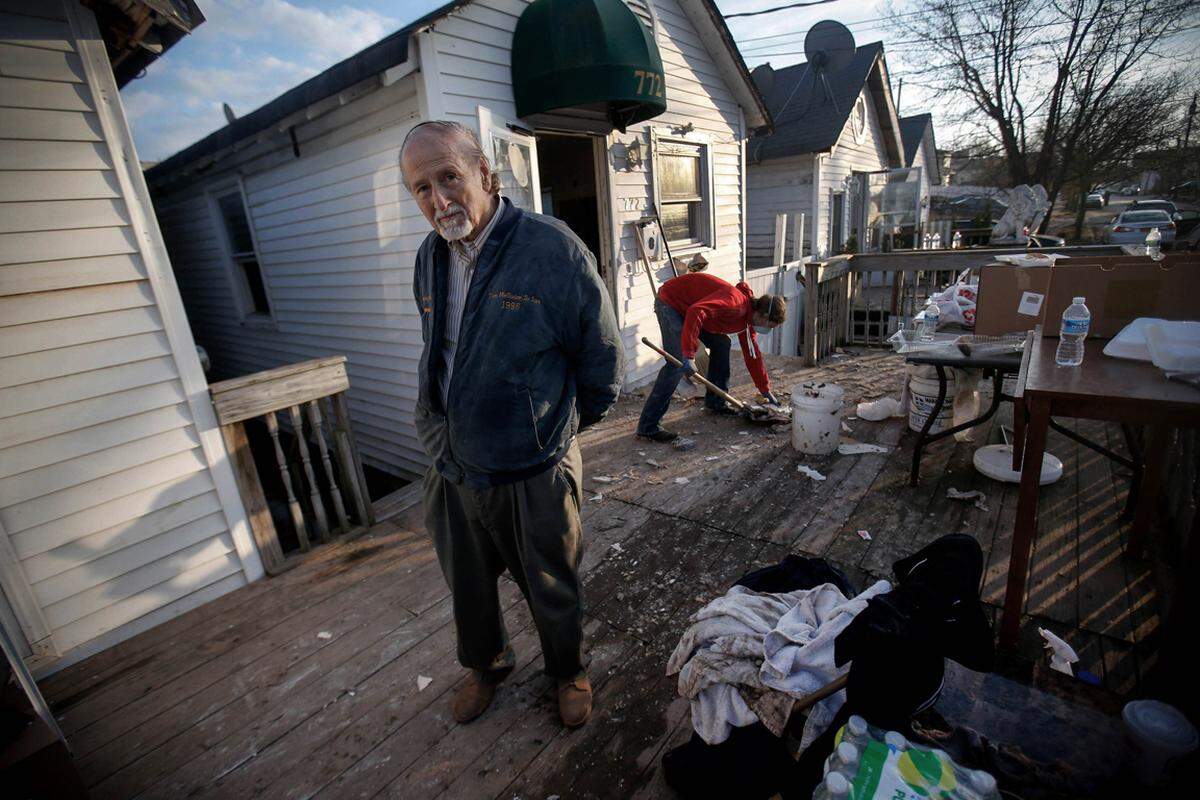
(922,397)
(1160,735)
(816,417)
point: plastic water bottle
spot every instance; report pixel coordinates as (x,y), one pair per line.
(844,760)
(834,787)
(1154,244)
(1075,322)
(929,324)
(956,241)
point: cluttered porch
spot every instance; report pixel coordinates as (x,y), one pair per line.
(334,678)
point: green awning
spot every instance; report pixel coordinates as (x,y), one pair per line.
(589,54)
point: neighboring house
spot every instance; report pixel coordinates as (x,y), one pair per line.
(292,236)
(118,507)
(835,156)
(920,152)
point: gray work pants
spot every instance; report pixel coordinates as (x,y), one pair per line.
(532,529)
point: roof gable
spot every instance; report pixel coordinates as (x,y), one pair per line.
(913,130)
(810,118)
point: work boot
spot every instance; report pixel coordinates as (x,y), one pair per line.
(724,409)
(575,701)
(475,696)
(661,435)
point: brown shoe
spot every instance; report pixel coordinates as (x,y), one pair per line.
(474,697)
(575,701)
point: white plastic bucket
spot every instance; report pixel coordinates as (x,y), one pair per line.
(1160,734)
(816,417)
(922,397)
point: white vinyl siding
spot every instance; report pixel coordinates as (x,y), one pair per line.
(337,235)
(107,499)
(849,156)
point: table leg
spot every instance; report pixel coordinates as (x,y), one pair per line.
(1020,412)
(1155,460)
(1026,525)
(933,415)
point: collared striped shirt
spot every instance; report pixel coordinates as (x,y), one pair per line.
(463,255)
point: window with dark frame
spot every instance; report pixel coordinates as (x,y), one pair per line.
(681,187)
(241,250)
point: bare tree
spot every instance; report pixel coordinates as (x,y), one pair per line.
(1039,75)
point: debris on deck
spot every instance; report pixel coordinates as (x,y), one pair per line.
(979,498)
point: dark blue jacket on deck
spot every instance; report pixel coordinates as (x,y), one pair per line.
(539,354)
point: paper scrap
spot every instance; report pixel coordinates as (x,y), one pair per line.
(858,448)
(847,428)
(682,480)
(743,433)
(712,458)
(596,499)
(1031,304)
(324,635)
(866,537)
(423,682)
(617,547)
(810,472)
(979,497)
(604,479)
(654,463)
(1062,655)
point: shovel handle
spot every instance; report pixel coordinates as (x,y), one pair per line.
(738,404)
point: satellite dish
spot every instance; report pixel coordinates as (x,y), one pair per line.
(829,46)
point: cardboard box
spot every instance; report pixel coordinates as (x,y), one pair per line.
(1011,299)
(1119,289)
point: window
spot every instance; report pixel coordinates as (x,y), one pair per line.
(684,192)
(249,289)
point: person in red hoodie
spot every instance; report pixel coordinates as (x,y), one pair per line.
(699,307)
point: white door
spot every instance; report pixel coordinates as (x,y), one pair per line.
(512,151)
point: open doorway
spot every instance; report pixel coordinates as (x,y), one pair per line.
(567,170)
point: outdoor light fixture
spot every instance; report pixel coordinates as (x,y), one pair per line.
(633,154)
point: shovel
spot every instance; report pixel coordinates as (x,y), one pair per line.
(751,413)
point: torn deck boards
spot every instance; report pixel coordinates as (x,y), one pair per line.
(306,684)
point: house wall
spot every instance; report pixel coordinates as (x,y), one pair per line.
(847,157)
(473,58)
(337,236)
(118,508)
(781,185)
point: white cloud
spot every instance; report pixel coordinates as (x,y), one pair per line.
(247,53)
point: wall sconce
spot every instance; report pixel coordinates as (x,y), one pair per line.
(633,154)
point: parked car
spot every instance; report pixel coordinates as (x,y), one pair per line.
(1188,190)
(1186,220)
(1153,205)
(1045,240)
(1096,200)
(1132,227)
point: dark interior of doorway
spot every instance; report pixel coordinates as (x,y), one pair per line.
(567,171)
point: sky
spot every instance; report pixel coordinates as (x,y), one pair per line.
(250,51)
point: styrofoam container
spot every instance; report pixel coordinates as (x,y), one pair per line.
(816,417)
(1161,735)
(1174,346)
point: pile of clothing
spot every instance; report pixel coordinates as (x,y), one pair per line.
(784,632)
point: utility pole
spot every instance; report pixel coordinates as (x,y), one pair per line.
(1187,129)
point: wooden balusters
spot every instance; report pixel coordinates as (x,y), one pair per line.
(293,503)
(306,386)
(315,422)
(314,494)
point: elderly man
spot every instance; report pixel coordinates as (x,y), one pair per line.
(521,352)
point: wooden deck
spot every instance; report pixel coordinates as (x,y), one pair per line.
(306,684)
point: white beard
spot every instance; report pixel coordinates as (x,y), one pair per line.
(454,224)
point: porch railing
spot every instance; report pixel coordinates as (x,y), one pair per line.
(313,395)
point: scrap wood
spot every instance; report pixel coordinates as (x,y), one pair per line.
(423,682)
(810,472)
(864,535)
(858,448)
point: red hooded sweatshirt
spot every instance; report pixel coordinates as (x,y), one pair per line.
(717,306)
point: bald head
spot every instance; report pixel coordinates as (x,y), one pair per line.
(447,173)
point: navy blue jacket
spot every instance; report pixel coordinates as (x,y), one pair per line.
(539,355)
